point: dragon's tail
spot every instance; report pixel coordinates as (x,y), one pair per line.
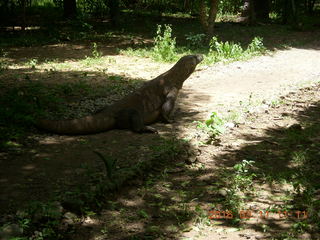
(86,125)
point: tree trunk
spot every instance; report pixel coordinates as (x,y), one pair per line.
(187,5)
(207,22)
(290,14)
(69,8)
(262,9)
(23,23)
(212,17)
(309,5)
(203,14)
(255,10)
(248,14)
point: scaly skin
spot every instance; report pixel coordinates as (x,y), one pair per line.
(152,102)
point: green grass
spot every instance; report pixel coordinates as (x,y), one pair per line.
(165,49)
(3,61)
(229,51)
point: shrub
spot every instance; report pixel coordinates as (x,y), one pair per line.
(165,46)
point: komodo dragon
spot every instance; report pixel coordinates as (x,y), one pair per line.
(152,102)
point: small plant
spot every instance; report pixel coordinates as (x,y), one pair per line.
(214,126)
(33,63)
(234,116)
(201,218)
(95,52)
(229,51)
(301,227)
(110,164)
(243,178)
(256,46)
(39,219)
(86,26)
(224,50)
(165,46)
(299,157)
(239,179)
(275,103)
(143,214)
(195,40)
(3,62)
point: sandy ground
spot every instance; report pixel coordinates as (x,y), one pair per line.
(264,78)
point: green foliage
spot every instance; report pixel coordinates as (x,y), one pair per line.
(214,126)
(137,52)
(3,62)
(91,61)
(164,45)
(39,220)
(301,227)
(277,102)
(95,52)
(221,51)
(164,49)
(230,6)
(239,180)
(32,63)
(93,7)
(195,40)
(49,210)
(229,51)
(256,46)
(143,214)
(242,178)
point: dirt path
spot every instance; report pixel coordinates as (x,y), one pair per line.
(265,78)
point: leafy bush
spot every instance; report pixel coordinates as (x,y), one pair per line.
(165,49)
(195,40)
(165,46)
(224,50)
(214,126)
(229,51)
(32,63)
(243,177)
(256,46)
(3,62)
(95,52)
(230,6)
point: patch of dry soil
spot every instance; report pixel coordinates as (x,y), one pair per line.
(265,78)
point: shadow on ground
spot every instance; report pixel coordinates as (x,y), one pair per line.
(69,41)
(175,195)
